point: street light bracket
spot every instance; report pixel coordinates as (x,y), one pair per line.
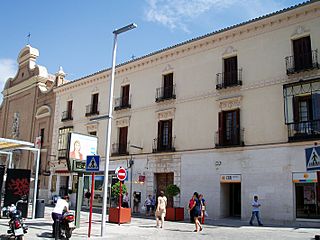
(125,28)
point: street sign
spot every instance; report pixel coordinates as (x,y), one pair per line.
(312,158)
(121,174)
(79,166)
(92,163)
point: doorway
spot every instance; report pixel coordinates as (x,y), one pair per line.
(163,180)
(231,200)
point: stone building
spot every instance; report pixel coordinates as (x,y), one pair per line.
(228,114)
(27,110)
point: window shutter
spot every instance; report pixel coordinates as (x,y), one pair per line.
(170,133)
(221,129)
(159,134)
(238,131)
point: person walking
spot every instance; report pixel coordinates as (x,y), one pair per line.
(191,209)
(125,201)
(135,203)
(255,211)
(161,209)
(197,212)
(153,204)
(147,204)
(203,207)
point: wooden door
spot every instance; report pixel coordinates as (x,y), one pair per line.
(95,100)
(163,180)
(302,53)
(123,134)
(125,95)
(69,109)
(230,71)
(168,85)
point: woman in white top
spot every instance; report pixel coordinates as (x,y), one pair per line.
(161,209)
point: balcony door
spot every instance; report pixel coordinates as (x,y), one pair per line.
(94,102)
(302,53)
(230,71)
(168,85)
(165,135)
(69,109)
(229,128)
(123,135)
(125,96)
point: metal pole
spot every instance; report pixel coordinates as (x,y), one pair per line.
(108,138)
(91,202)
(120,198)
(131,166)
(37,158)
(10,160)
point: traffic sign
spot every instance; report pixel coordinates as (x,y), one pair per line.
(92,163)
(312,158)
(121,174)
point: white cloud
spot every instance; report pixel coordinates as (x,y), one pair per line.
(177,13)
(8,68)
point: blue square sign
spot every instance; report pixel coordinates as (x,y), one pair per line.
(312,158)
(92,163)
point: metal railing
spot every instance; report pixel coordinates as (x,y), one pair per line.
(119,149)
(66,116)
(302,62)
(122,103)
(229,79)
(304,130)
(92,109)
(164,145)
(165,93)
(233,138)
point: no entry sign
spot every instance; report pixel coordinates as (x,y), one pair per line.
(121,174)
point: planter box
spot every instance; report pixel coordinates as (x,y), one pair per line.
(175,214)
(125,215)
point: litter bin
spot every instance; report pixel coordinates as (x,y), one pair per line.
(40,206)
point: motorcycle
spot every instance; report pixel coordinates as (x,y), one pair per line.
(17,228)
(65,226)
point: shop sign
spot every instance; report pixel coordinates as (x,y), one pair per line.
(230,178)
(142,178)
(312,158)
(302,177)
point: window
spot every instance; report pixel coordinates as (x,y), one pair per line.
(125,96)
(164,135)
(42,136)
(95,100)
(230,71)
(123,134)
(229,128)
(67,115)
(93,133)
(168,89)
(302,53)
(63,141)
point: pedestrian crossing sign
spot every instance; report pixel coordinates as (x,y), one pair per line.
(312,158)
(92,163)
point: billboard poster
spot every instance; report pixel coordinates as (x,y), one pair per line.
(17,186)
(80,146)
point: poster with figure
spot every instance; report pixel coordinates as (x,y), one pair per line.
(17,186)
(309,195)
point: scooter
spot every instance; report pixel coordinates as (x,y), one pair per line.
(17,228)
(65,226)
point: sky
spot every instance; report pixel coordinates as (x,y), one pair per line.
(77,34)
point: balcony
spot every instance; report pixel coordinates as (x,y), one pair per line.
(233,138)
(66,116)
(122,103)
(92,109)
(62,154)
(306,130)
(166,93)
(302,62)
(166,145)
(229,79)
(119,149)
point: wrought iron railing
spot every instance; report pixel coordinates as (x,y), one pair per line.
(229,79)
(233,138)
(165,93)
(163,145)
(122,103)
(92,109)
(302,62)
(66,116)
(119,149)
(304,130)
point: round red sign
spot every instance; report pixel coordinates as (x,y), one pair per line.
(122,174)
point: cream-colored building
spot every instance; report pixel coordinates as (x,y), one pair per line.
(227,114)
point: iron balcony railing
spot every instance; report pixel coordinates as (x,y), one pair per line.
(119,149)
(304,130)
(166,93)
(62,153)
(92,109)
(122,103)
(66,116)
(163,145)
(302,62)
(232,138)
(229,79)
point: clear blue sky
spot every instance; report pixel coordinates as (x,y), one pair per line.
(77,34)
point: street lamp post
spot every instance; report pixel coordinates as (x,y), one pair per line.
(108,132)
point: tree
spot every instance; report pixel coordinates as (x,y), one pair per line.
(172,190)
(115,190)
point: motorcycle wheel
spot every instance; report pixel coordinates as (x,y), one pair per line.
(68,233)
(20,238)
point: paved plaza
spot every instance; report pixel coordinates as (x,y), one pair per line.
(142,228)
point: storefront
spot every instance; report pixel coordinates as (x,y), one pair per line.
(307,195)
(231,195)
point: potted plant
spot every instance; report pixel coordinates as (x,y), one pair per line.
(174,213)
(125,213)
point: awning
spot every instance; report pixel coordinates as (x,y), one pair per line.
(11,144)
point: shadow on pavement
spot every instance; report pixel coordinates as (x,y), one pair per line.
(45,235)
(4,237)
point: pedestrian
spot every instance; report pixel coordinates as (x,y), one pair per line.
(161,209)
(203,207)
(88,196)
(153,204)
(135,202)
(125,201)
(255,211)
(191,209)
(197,212)
(62,206)
(147,204)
